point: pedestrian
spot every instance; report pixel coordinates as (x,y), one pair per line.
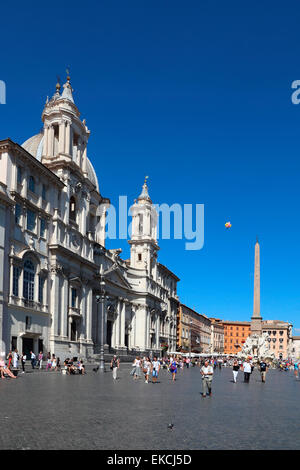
(16,358)
(247,370)
(173,369)
(137,365)
(10,358)
(263,370)
(146,369)
(114,365)
(133,369)
(40,358)
(32,357)
(155,368)
(23,361)
(58,364)
(235,370)
(48,362)
(207,372)
(296,368)
(53,362)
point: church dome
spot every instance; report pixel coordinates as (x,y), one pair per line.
(34,146)
(31,145)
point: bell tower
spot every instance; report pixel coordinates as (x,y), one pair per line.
(65,135)
(143,242)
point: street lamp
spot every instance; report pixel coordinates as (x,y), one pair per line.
(100,299)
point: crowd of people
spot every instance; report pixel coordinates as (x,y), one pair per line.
(148,368)
(11,366)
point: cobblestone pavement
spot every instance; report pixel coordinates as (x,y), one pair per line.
(51,411)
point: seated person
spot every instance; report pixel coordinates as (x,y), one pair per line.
(81,367)
(5,370)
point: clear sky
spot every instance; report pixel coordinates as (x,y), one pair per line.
(195,94)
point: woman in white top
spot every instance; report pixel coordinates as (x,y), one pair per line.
(137,365)
(53,362)
(147,367)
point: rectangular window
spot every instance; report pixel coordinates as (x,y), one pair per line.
(17,214)
(16,274)
(28,323)
(19,175)
(30,220)
(73,297)
(41,289)
(43,228)
(44,192)
(31,184)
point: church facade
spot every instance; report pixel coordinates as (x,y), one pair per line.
(52,251)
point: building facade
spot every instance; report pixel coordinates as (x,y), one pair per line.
(280,337)
(217,335)
(193,331)
(53,254)
(295,348)
(235,335)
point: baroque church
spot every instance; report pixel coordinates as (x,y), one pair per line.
(52,251)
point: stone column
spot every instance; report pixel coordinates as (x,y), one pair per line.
(148,328)
(50,141)
(89,308)
(14,183)
(113,333)
(65,306)
(45,143)
(54,298)
(11,279)
(68,136)
(84,159)
(61,145)
(24,183)
(122,322)
(157,330)
(117,321)
(71,143)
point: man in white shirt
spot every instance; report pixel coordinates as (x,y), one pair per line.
(247,370)
(32,357)
(207,375)
(155,369)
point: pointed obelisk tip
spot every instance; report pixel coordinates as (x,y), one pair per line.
(256,239)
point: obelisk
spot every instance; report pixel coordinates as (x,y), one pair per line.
(256,319)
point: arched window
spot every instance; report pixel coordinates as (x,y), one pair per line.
(28,284)
(31,184)
(72,213)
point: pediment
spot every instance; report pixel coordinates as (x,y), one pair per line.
(116,276)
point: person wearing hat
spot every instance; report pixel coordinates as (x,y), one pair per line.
(114,365)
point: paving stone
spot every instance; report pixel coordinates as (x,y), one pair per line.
(53,411)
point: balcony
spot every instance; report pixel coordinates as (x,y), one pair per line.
(74,312)
(33,329)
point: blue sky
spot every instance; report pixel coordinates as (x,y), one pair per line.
(197,95)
